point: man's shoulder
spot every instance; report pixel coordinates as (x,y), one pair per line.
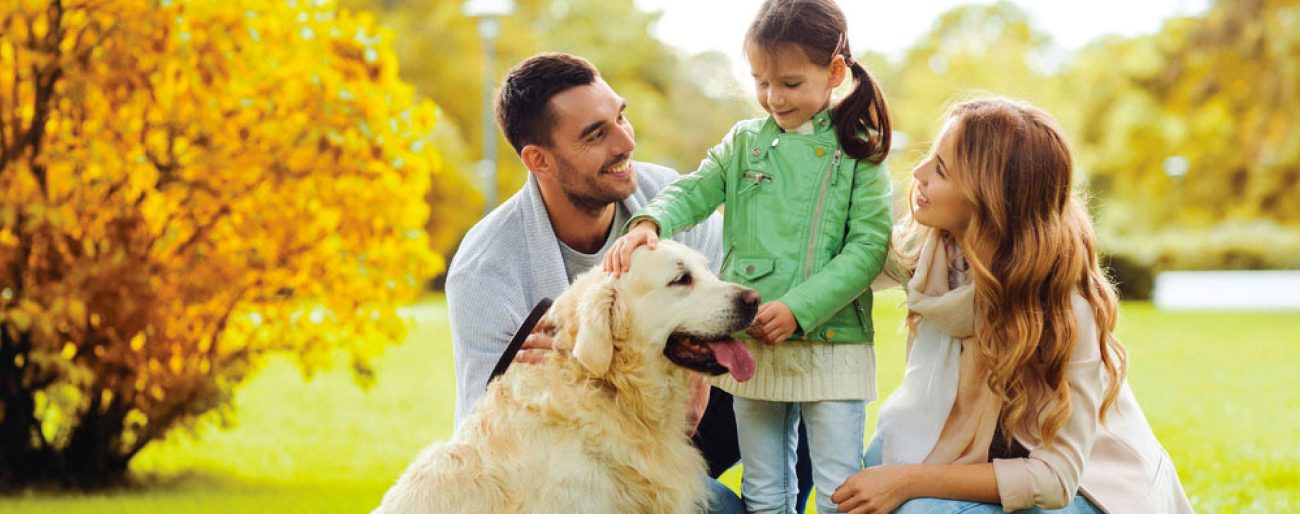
(488,245)
(651,176)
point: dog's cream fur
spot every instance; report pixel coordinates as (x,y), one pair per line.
(600,426)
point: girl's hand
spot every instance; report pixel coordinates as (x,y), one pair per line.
(619,257)
(879,489)
(773,323)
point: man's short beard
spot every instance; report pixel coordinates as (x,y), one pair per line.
(583,192)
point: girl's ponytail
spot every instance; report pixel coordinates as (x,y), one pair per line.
(862,118)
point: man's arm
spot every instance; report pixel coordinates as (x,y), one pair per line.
(483,318)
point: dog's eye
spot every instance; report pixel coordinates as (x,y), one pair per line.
(682,280)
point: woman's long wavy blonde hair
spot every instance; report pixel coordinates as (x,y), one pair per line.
(1030,246)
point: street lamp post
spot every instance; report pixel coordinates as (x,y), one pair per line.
(488,13)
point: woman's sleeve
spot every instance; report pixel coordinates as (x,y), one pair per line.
(1049,477)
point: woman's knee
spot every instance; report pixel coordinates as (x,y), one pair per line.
(942,506)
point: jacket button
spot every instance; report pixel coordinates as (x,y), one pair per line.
(819,151)
(749,269)
(830,334)
(755,152)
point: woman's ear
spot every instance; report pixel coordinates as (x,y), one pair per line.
(839,70)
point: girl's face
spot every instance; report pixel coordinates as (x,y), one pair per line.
(789,86)
(937,201)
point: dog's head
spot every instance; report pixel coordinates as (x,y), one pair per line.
(669,304)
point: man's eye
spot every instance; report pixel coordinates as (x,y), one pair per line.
(682,280)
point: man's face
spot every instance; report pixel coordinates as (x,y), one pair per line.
(592,143)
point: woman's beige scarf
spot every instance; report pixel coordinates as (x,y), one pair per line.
(914,422)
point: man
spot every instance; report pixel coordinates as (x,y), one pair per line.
(569,129)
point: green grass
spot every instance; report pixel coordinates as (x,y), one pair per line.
(1220,390)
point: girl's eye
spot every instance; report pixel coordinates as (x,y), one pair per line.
(794,85)
(939,169)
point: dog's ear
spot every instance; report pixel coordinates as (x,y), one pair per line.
(601,321)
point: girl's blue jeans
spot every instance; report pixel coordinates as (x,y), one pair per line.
(768,436)
(1080,505)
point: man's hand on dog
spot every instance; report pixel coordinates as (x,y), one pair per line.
(698,402)
(773,323)
(619,257)
(539,344)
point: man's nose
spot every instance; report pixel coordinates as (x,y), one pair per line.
(626,141)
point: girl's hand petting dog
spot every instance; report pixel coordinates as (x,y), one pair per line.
(773,323)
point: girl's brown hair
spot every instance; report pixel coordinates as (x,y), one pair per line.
(818,28)
(1031,247)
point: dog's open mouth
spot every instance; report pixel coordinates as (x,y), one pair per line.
(715,356)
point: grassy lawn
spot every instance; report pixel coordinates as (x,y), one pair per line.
(1220,390)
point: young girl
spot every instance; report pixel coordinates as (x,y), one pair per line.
(1014,396)
(807,225)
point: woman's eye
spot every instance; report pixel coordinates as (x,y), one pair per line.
(682,280)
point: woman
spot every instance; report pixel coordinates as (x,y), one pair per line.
(1014,396)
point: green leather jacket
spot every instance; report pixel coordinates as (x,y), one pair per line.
(804,223)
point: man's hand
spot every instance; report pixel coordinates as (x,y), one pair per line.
(619,257)
(773,323)
(539,344)
(879,489)
(698,402)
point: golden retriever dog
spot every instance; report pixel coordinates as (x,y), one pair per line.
(600,425)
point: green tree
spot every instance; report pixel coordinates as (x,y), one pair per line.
(1198,125)
(968,51)
(186,187)
(680,105)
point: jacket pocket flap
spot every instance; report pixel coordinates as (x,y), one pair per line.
(752,269)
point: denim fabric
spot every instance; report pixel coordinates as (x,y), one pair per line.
(768,439)
(722,500)
(872,457)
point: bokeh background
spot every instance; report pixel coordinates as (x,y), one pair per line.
(223,224)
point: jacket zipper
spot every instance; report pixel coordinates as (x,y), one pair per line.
(817,214)
(726,260)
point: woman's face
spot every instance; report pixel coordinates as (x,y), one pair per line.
(937,202)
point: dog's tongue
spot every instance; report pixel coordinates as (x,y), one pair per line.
(735,357)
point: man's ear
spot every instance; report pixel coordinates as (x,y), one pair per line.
(839,70)
(538,160)
(601,320)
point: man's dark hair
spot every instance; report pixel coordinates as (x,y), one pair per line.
(523,101)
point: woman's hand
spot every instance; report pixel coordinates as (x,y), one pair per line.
(773,323)
(879,489)
(619,257)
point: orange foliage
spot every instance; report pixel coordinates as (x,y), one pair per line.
(185,187)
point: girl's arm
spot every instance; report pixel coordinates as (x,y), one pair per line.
(694,197)
(849,274)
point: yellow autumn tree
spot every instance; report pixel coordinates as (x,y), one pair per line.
(186,187)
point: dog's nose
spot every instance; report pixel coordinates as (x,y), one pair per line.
(748,302)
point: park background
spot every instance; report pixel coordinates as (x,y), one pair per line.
(223,224)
